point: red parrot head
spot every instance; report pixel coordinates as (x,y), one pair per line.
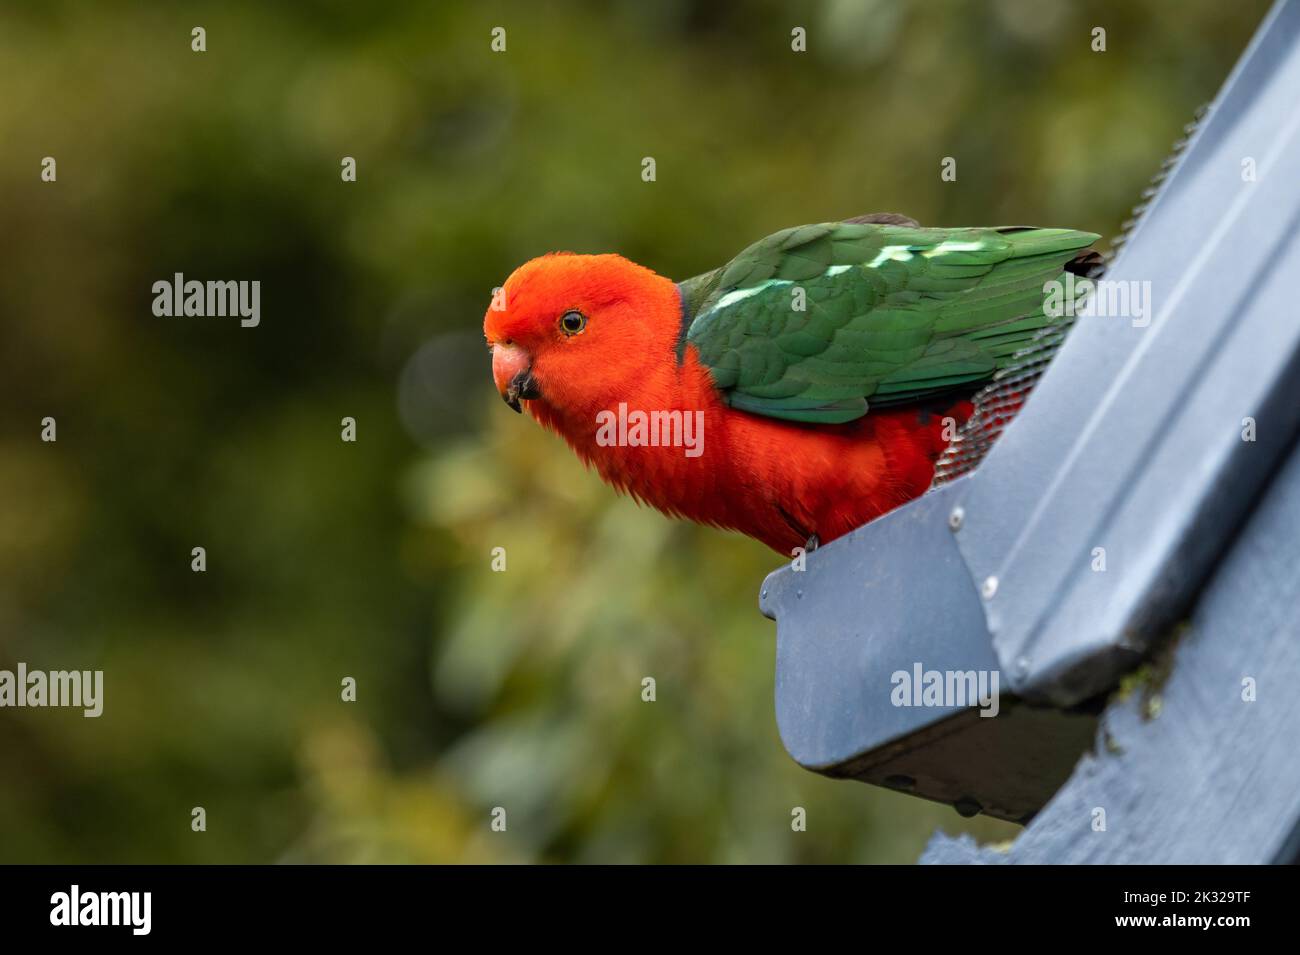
(576,332)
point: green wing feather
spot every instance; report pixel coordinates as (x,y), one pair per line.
(891,314)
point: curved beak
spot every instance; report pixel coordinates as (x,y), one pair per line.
(513,373)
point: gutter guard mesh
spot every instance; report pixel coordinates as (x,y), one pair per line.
(997,403)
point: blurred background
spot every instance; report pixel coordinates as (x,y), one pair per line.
(372,560)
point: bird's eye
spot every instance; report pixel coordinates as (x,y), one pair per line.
(573,322)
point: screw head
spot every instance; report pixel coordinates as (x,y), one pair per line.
(955,518)
(990,587)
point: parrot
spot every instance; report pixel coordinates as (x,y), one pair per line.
(801,390)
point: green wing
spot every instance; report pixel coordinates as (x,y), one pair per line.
(891,314)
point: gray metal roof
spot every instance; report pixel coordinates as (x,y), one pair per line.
(1132,443)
